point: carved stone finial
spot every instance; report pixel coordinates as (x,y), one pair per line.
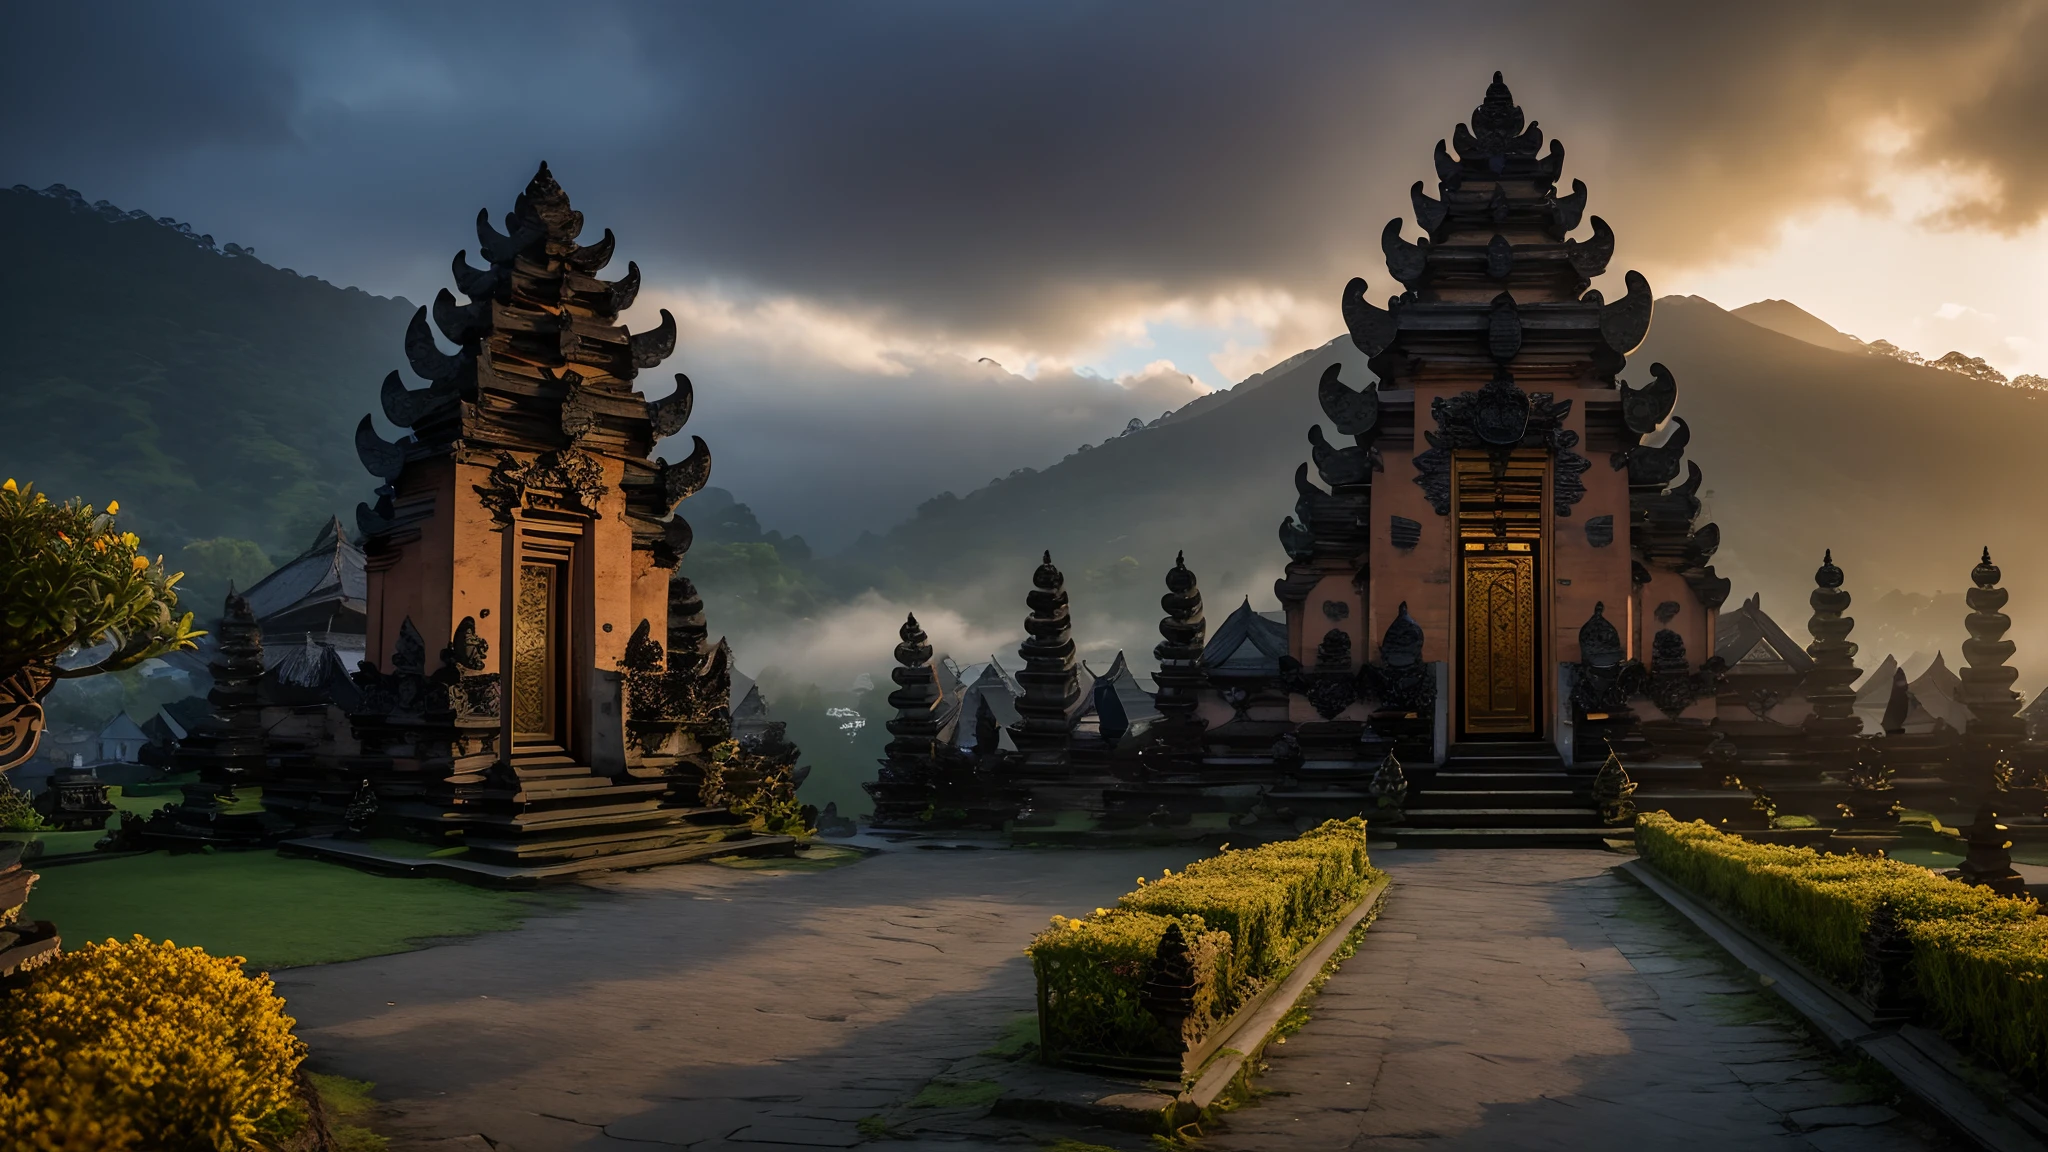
(1599,641)
(1402,644)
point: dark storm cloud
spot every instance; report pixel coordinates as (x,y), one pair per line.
(1005,170)
(1024,176)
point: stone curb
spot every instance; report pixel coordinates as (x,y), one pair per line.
(1983,1106)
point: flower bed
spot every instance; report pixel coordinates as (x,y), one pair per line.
(1244,917)
(1980,961)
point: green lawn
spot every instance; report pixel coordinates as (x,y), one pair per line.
(277,911)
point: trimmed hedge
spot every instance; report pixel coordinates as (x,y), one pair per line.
(1980,960)
(1245,914)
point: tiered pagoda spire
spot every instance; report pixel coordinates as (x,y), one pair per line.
(227,750)
(1995,726)
(524,504)
(542,365)
(1497,280)
(1832,728)
(1052,687)
(904,788)
(1180,653)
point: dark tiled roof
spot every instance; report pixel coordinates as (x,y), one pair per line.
(320,587)
(1248,643)
(1748,637)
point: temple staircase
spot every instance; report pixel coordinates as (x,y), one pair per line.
(544,808)
(1504,795)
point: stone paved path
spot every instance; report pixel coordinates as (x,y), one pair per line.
(1532,1000)
(702,1006)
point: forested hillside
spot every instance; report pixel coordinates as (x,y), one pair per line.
(213,395)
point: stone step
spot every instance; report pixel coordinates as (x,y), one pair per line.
(553,772)
(1498,817)
(1501,798)
(554,848)
(551,820)
(604,793)
(1463,781)
(1586,836)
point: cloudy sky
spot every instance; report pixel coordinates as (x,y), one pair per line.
(985,233)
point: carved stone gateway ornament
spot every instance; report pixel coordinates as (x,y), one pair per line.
(564,481)
(1499,417)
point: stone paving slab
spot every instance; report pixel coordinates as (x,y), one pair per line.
(1532,1000)
(706,1007)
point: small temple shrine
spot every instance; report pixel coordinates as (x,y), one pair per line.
(534,683)
(1497,587)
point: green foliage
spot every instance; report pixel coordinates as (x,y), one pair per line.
(216,394)
(958,1094)
(16,812)
(1092,969)
(213,566)
(754,786)
(1246,915)
(277,911)
(346,1102)
(94,700)
(69,576)
(1980,961)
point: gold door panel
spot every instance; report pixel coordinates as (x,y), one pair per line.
(1501,544)
(1500,643)
(536,640)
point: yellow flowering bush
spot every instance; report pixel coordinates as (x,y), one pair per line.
(142,1045)
(1246,915)
(1090,970)
(1980,960)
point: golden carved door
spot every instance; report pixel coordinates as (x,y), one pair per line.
(537,649)
(1500,644)
(1500,522)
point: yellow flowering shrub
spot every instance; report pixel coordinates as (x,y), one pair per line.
(1090,970)
(1246,915)
(1980,960)
(141,1045)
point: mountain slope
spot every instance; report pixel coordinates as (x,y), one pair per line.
(1789,319)
(1904,471)
(211,394)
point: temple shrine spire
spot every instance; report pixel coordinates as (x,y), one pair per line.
(1180,652)
(903,789)
(1052,688)
(1831,729)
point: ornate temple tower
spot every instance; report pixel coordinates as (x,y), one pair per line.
(1180,651)
(903,789)
(523,525)
(1500,485)
(1995,727)
(1832,728)
(1052,686)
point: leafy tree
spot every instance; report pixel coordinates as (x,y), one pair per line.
(71,582)
(212,566)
